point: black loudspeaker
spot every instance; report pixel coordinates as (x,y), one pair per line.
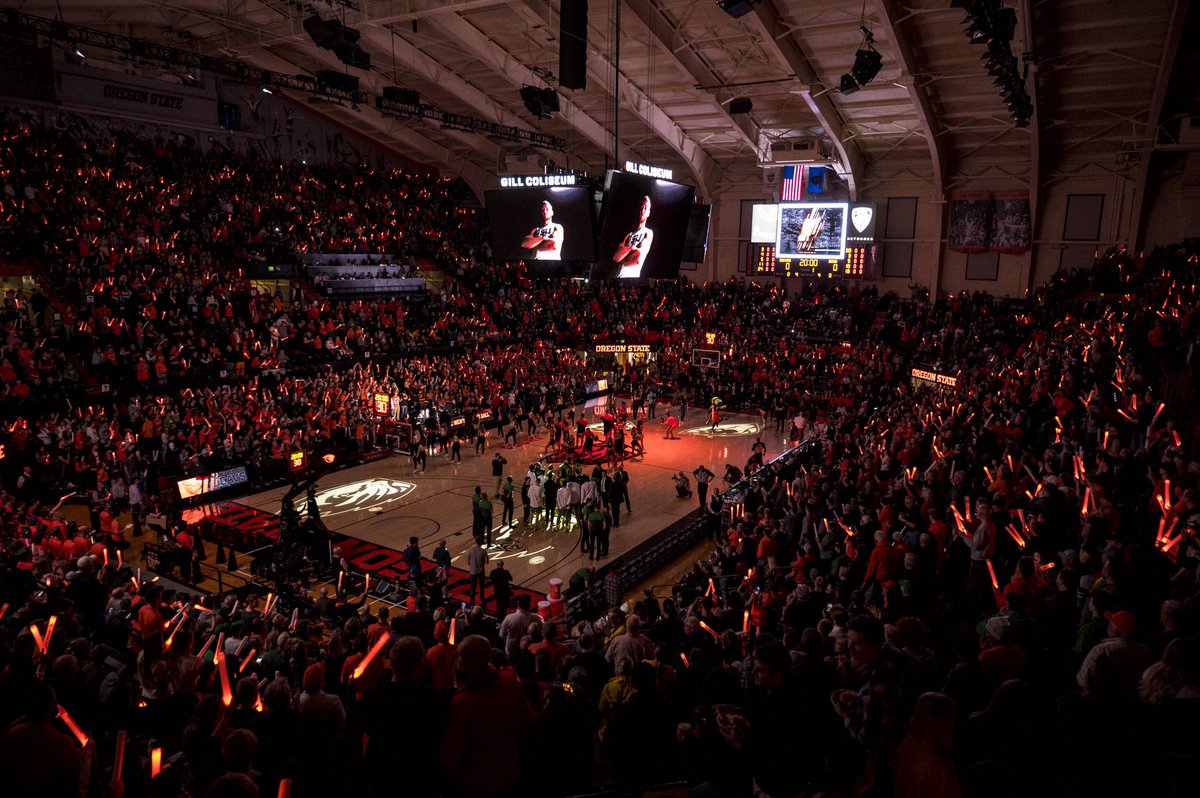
(337,80)
(403,96)
(353,56)
(572,44)
(321,32)
(740,105)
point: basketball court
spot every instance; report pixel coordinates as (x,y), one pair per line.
(377,506)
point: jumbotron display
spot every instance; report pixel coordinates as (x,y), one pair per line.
(803,240)
(542,223)
(812,230)
(645,223)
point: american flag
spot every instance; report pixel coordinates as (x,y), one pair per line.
(792,185)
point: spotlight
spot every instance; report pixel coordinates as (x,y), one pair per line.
(78,53)
(267,90)
(540,102)
(848,84)
(867,64)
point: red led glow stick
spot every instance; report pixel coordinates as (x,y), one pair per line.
(992,572)
(155,762)
(119,757)
(372,654)
(453,630)
(49,633)
(73,726)
(223,672)
(710,630)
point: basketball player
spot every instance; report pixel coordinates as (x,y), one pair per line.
(545,241)
(635,248)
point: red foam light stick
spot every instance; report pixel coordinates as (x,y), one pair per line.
(73,726)
(285,788)
(340,575)
(992,572)
(1157,411)
(453,631)
(683,658)
(372,654)
(223,672)
(37,638)
(745,622)
(712,588)
(295,619)
(247,660)
(710,630)
(1012,531)
(207,645)
(49,633)
(155,762)
(119,757)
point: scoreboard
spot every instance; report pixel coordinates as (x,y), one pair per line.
(858,262)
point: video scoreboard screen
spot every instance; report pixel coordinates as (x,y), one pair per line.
(812,239)
(858,263)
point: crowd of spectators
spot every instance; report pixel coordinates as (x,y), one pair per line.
(985,589)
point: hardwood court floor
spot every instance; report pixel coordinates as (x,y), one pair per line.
(384,502)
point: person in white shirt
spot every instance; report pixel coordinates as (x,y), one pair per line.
(546,241)
(634,248)
(535,500)
(516,625)
(568,501)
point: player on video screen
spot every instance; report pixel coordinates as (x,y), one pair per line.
(812,227)
(545,241)
(635,248)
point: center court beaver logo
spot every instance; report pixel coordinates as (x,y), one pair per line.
(361,495)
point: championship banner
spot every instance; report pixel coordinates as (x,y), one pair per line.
(969,214)
(1011,231)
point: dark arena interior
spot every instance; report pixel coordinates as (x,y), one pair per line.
(613,398)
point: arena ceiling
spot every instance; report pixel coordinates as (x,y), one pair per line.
(1098,73)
